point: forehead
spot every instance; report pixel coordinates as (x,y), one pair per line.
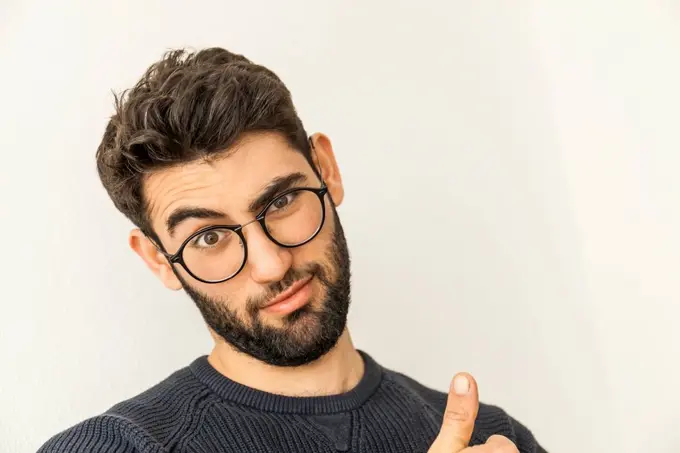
(226,183)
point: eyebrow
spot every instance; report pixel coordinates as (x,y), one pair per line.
(179,215)
(273,188)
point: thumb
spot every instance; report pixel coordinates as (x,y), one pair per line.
(459,416)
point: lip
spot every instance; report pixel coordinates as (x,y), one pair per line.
(287,296)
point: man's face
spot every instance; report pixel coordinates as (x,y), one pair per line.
(312,279)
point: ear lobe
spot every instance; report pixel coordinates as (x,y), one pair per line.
(325,157)
(154,259)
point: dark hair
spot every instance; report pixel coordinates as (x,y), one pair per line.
(189,106)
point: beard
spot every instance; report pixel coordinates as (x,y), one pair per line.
(307,333)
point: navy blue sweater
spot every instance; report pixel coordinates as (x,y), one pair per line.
(199,410)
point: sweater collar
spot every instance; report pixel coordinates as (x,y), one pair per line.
(240,394)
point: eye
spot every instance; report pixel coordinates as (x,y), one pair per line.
(209,239)
(283,202)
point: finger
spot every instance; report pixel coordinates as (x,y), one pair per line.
(501,444)
(496,444)
(459,416)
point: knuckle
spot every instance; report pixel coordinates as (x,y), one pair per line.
(501,444)
(456,415)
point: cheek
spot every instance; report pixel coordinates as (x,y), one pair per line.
(315,251)
(233,293)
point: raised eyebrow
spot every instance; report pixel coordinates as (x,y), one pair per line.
(184,213)
(273,188)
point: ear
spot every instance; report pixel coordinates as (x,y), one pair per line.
(154,259)
(325,159)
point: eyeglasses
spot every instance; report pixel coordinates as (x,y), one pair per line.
(217,253)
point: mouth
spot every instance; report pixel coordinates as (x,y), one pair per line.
(293,298)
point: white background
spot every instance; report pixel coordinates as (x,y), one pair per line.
(513,201)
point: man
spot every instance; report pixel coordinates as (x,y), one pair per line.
(236,205)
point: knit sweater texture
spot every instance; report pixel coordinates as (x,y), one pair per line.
(199,410)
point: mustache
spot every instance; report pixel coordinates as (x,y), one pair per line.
(255,303)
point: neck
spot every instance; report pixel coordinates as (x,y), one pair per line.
(337,372)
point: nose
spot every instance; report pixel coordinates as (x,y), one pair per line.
(267,262)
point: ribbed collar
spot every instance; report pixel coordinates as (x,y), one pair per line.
(270,402)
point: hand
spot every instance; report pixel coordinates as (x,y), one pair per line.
(459,421)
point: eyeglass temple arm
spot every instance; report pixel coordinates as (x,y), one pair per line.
(311,145)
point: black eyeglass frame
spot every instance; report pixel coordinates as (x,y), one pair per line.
(177,257)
